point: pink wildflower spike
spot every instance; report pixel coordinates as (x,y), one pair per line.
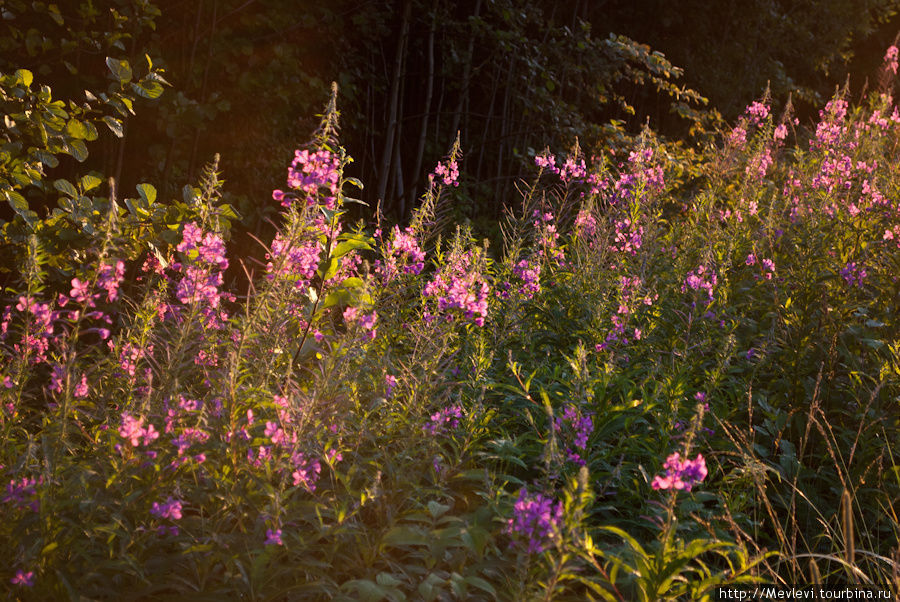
(681,474)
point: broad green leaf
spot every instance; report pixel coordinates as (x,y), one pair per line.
(120,69)
(65,187)
(404,536)
(147,89)
(346,246)
(147,192)
(78,149)
(90,131)
(25,76)
(115,125)
(89,182)
(436,509)
(76,129)
(481,584)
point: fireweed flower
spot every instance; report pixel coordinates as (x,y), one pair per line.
(890,59)
(110,278)
(202,274)
(628,237)
(757,112)
(586,224)
(854,274)
(459,286)
(273,537)
(535,521)
(701,278)
(681,474)
(447,174)
(578,428)
(293,260)
(133,430)
(23,578)
(23,493)
(402,253)
(306,471)
(312,174)
(448,418)
(390,381)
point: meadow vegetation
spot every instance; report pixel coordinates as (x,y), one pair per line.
(679,369)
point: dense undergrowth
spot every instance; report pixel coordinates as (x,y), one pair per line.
(679,371)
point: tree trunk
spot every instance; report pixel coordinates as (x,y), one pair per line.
(467,74)
(384,171)
(429,91)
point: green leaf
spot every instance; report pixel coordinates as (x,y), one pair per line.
(147,89)
(46,158)
(49,548)
(65,187)
(368,590)
(115,125)
(436,509)
(76,129)
(387,580)
(328,268)
(481,584)
(120,69)
(404,536)
(90,131)
(20,206)
(90,182)
(346,246)
(78,149)
(25,76)
(147,192)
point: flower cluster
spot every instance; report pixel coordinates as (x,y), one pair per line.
(459,286)
(403,254)
(642,175)
(295,261)
(202,274)
(548,236)
(132,429)
(586,224)
(628,237)
(23,578)
(310,173)
(854,274)
(171,509)
(23,493)
(681,474)
(365,321)
(535,521)
(629,299)
(577,427)
(447,174)
(448,418)
(890,59)
(701,278)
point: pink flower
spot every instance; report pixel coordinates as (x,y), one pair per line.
(681,474)
(81,389)
(273,538)
(170,509)
(79,290)
(23,578)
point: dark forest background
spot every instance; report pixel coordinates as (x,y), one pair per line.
(248,78)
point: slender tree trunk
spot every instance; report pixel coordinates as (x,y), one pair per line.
(384,171)
(467,74)
(482,151)
(429,90)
